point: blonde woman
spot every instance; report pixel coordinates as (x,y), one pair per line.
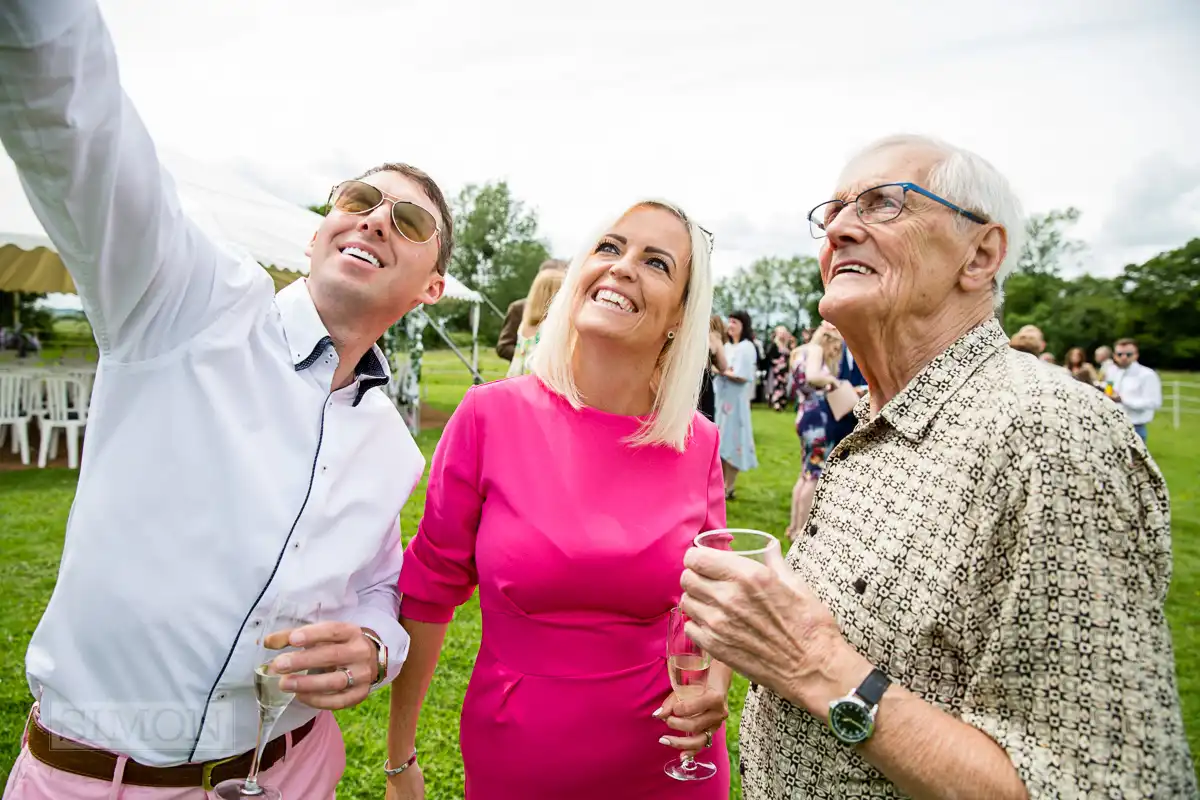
(814,372)
(537,305)
(568,497)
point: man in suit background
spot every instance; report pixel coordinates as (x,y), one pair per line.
(506,345)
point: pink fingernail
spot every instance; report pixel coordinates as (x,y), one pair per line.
(664,740)
(656,713)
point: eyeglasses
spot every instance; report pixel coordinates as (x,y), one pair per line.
(878,204)
(358,197)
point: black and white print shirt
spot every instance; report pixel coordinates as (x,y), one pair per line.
(997,539)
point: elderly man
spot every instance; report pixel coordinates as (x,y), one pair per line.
(975,608)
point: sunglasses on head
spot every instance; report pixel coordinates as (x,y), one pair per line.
(359,197)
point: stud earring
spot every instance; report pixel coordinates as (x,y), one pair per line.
(670,334)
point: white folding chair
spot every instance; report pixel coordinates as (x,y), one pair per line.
(66,410)
(13,413)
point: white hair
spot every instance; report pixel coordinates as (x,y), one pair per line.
(970,182)
(680,365)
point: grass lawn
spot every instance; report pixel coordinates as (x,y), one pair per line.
(34,506)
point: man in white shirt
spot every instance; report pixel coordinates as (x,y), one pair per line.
(1136,387)
(240,450)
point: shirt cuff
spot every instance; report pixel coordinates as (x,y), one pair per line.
(421,611)
(390,632)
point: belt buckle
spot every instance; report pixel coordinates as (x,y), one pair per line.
(209,766)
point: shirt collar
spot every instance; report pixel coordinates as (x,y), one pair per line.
(914,408)
(307,338)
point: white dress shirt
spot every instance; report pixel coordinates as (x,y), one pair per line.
(219,469)
(1140,391)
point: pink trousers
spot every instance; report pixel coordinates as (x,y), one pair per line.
(311,771)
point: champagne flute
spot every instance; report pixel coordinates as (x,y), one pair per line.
(745,542)
(272,701)
(687,666)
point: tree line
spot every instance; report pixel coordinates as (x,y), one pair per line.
(1157,302)
(499,248)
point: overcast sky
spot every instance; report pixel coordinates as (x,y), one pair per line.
(741,112)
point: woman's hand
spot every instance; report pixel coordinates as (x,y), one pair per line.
(695,717)
(408,785)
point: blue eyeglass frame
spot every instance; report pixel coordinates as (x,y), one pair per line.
(907,187)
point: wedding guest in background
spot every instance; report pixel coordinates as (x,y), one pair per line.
(716,365)
(1078,366)
(778,383)
(537,304)
(735,389)
(1135,387)
(814,373)
(506,344)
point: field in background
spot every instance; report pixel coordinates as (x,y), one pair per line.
(34,505)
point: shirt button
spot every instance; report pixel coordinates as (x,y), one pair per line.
(255,623)
(221,695)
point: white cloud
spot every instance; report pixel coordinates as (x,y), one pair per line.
(742,113)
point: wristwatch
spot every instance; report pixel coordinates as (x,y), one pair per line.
(383,656)
(852,718)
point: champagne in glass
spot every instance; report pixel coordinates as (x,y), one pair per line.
(689,674)
(687,667)
(272,701)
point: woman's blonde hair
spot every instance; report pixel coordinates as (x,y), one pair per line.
(537,304)
(681,363)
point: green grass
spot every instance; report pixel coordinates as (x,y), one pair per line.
(34,506)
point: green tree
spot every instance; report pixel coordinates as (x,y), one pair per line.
(1163,314)
(33,318)
(497,250)
(773,290)
(1037,293)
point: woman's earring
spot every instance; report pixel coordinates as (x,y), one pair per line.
(670,334)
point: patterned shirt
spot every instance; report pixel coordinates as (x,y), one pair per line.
(997,539)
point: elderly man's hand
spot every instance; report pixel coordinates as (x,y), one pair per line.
(766,624)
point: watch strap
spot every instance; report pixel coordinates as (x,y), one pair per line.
(382,652)
(872,688)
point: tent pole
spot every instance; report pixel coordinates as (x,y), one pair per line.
(440,331)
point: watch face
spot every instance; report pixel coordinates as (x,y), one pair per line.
(851,720)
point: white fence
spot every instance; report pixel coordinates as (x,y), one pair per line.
(1181,397)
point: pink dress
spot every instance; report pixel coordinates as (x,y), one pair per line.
(576,541)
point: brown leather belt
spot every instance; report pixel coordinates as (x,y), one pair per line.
(79,759)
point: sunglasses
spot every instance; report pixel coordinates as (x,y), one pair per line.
(358,197)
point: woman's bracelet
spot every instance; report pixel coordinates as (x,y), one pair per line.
(393,772)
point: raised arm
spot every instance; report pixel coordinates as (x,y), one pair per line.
(147,277)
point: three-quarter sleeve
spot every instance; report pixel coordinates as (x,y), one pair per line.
(1074,676)
(714,518)
(439,572)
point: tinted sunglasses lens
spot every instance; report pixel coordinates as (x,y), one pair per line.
(356,197)
(415,223)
